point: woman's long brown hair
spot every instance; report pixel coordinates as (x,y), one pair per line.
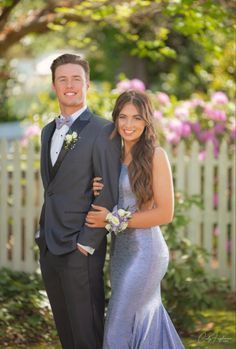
(140,168)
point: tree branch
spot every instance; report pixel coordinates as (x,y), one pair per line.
(36,22)
(6,11)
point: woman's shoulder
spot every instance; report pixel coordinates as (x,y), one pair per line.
(159,152)
(159,156)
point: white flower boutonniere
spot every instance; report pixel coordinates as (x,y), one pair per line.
(70,140)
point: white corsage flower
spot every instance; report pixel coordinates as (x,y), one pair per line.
(117,220)
(70,140)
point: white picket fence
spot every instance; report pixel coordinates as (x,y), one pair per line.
(21,197)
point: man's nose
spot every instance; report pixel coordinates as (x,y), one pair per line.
(69,83)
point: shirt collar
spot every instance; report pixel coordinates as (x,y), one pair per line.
(76,114)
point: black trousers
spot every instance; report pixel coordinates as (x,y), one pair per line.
(74,285)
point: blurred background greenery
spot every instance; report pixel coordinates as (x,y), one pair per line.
(179,47)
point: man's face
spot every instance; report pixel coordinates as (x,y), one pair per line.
(71,86)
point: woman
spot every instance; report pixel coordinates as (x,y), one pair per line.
(136,318)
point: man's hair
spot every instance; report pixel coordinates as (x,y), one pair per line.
(70,58)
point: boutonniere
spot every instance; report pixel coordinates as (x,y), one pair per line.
(70,140)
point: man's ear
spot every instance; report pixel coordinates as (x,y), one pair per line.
(53,87)
(88,84)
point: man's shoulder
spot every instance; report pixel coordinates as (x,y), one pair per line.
(101,122)
(48,125)
(103,125)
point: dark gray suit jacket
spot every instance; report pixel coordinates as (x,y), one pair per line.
(68,184)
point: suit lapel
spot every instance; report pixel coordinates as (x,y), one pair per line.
(77,127)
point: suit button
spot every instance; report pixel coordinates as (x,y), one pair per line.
(50,193)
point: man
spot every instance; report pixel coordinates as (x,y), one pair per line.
(76,147)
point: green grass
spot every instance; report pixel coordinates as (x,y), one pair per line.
(217,333)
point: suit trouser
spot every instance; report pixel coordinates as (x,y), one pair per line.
(74,285)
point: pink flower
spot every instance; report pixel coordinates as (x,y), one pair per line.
(134,84)
(137,84)
(197,102)
(215,114)
(172,137)
(163,98)
(32,130)
(219,128)
(182,112)
(123,85)
(196,127)
(219,115)
(205,136)
(175,126)
(186,130)
(219,98)
(202,155)
(157,115)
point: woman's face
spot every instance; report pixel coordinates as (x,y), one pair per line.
(130,123)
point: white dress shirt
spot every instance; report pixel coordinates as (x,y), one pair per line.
(56,145)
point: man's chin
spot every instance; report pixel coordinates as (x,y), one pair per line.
(73,104)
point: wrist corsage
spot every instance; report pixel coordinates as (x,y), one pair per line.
(117,220)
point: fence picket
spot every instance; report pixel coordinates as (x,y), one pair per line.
(20,179)
(233,222)
(29,211)
(194,188)
(4,261)
(180,183)
(208,199)
(16,225)
(222,209)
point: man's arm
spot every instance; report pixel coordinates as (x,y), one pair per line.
(106,163)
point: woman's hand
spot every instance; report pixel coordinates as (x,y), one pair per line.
(97,218)
(97,186)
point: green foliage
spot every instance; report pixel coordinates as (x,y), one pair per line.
(7,81)
(165,43)
(24,318)
(187,288)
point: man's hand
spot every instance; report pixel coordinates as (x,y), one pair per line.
(82,250)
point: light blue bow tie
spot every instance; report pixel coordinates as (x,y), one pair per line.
(63,121)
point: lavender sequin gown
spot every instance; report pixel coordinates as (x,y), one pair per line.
(136,318)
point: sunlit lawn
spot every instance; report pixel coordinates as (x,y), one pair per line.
(222,335)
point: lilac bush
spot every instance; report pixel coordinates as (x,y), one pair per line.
(205,118)
(202,118)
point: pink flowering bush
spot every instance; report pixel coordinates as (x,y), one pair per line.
(198,119)
(32,132)
(202,119)
(134,84)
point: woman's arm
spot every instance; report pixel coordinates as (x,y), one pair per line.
(163,195)
(163,198)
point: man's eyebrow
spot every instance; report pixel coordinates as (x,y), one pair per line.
(64,76)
